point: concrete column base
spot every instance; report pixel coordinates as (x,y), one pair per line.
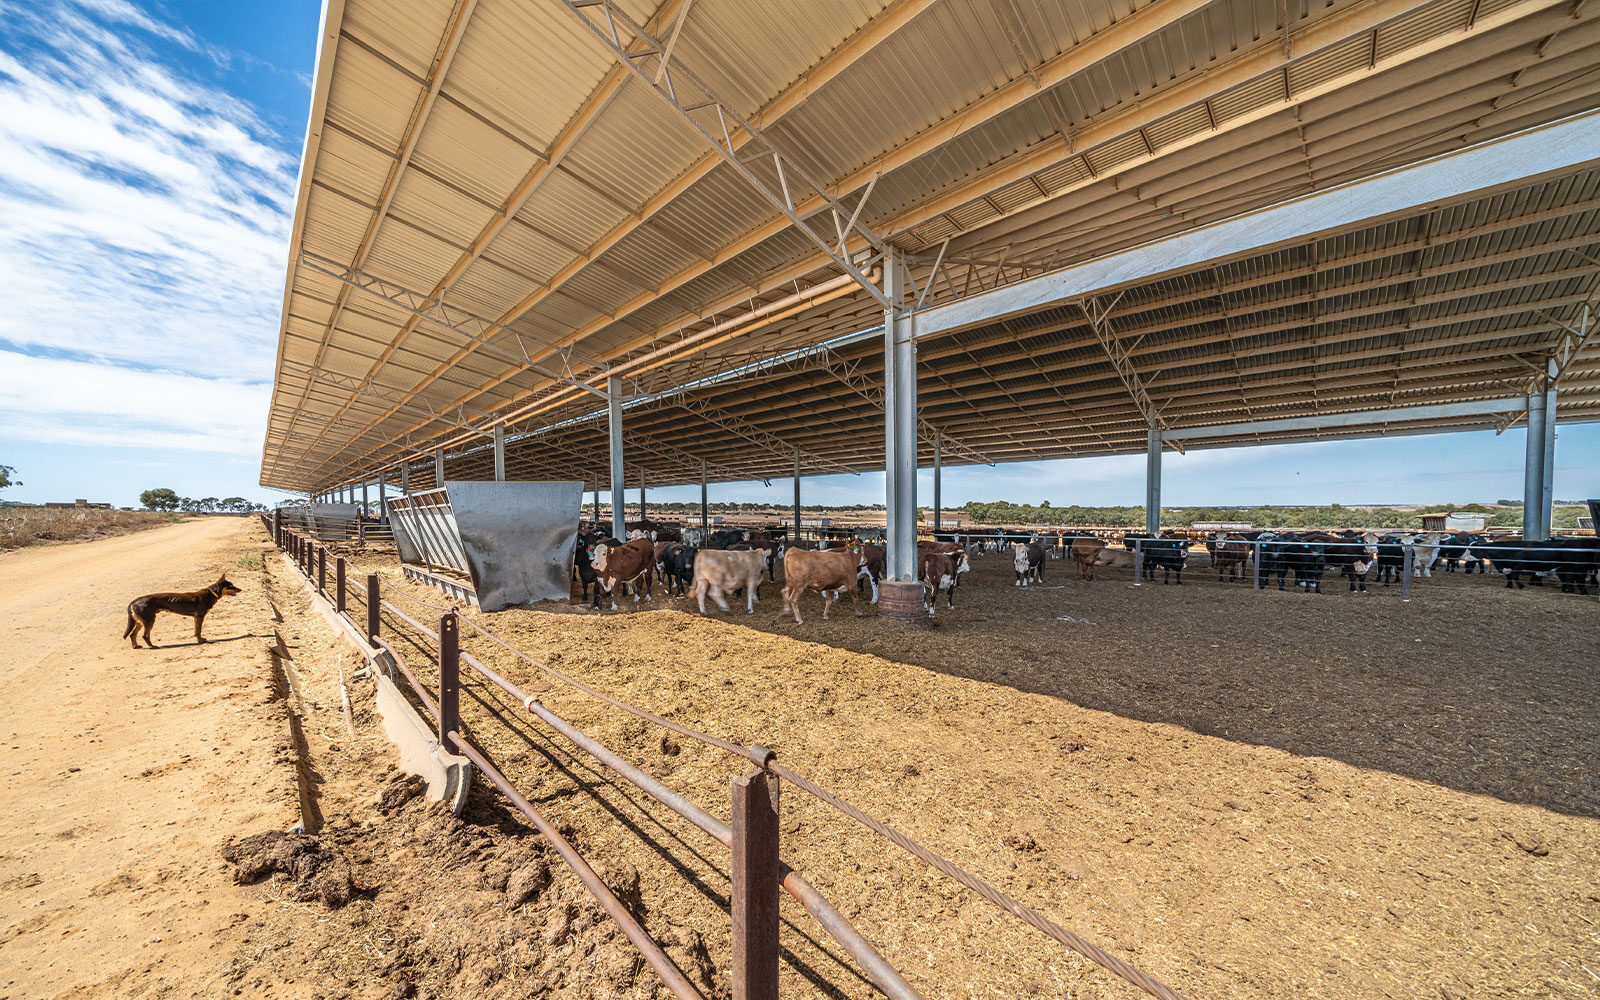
(901,601)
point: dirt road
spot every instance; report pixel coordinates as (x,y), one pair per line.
(125,770)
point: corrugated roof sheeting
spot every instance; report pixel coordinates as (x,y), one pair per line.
(1412,294)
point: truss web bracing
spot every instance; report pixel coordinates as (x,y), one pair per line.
(504,205)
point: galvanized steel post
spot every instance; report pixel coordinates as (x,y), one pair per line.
(705,507)
(1547,496)
(1152,481)
(363,498)
(383,496)
(449,679)
(641,495)
(597,501)
(755,874)
(614,427)
(795,538)
(405,477)
(373,621)
(499,453)
(900,432)
(1533,470)
(1405,569)
(938,476)
(438,469)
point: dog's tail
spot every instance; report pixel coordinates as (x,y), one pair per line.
(131,623)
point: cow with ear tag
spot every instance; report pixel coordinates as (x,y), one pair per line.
(1028,559)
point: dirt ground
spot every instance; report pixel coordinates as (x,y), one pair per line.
(1246,794)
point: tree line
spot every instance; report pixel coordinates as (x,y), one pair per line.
(165,499)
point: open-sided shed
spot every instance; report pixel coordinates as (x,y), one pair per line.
(709,238)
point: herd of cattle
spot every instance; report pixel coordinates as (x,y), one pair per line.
(730,562)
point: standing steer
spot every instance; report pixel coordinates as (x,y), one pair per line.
(805,570)
(939,572)
(632,562)
(717,571)
(1084,552)
(1028,558)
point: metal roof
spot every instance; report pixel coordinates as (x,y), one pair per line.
(496,213)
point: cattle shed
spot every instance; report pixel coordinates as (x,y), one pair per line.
(626,242)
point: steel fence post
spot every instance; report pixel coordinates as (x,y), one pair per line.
(1255,548)
(1405,572)
(322,570)
(1138,563)
(372,606)
(338,585)
(755,876)
(449,679)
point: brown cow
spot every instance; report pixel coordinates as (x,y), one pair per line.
(939,572)
(1084,552)
(631,562)
(1229,554)
(805,570)
(717,571)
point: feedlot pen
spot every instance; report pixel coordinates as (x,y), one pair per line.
(1244,793)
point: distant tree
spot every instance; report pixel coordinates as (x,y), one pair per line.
(159,499)
(8,477)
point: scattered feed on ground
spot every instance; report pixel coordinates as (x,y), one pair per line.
(1243,793)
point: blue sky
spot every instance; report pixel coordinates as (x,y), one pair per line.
(148,155)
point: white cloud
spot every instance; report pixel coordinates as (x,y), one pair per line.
(147,214)
(66,402)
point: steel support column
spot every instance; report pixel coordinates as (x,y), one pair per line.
(1547,495)
(1152,482)
(499,453)
(705,506)
(614,404)
(405,477)
(438,469)
(641,496)
(900,426)
(795,538)
(383,496)
(363,498)
(938,475)
(1533,470)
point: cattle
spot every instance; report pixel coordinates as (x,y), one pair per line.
(641,534)
(1425,552)
(1084,552)
(872,561)
(693,537)
(724,538)
(956,552)
(1169,554)
(582,568)
(629,563)
(1453,552)
(939,573)
(1028,559)
(718,571)
(1392,556)
(823,572)
(1572,560)
(1353,556)
(1228,555)
(661,548)
(1111,558)
(677,566)
(1284,554)
(772,545)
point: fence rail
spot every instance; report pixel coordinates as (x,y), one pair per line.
(752,837)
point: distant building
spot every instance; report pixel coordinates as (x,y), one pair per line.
(76,504)
(1457,521)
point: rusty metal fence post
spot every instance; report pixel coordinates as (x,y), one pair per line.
(322,570)
(449,679)
(372,606)
(1405,571)
(277,528)
(338,585)
(755,875)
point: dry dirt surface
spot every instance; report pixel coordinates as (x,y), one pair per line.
(1246,794)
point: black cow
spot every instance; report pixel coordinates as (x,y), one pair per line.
(677,564)
(1170,554)
(724,538)
(1286,554)
(1453,550)
(1572,560)
(1353,556)
(582,569)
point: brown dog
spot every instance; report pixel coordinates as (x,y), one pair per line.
(142,611)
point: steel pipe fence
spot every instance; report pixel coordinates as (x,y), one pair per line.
(751,837)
